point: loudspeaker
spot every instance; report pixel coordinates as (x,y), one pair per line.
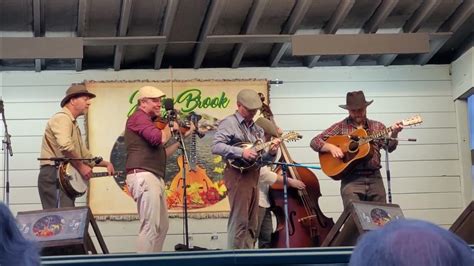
(63,231)
(464,224)
(358,218)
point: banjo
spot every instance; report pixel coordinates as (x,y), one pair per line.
(71,180)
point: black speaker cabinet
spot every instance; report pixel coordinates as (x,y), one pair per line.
(61,231)
(464,224)
(358,218)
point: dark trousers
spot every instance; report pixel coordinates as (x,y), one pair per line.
(357,187)
(243,199)
(265,227)
(47,181)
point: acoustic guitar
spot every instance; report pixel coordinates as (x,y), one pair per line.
(243,164)
(355,146)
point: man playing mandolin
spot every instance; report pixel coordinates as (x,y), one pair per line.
(62,138)
(360,181)
(242,184)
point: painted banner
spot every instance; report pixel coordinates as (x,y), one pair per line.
(203,101)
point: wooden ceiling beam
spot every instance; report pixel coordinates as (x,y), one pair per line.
(211,19)
(170,15)
(461,15)
(298,13)
(81,26)
(249,27)
(38,23)
(332,26)
(401,43)
(413,24)
(125,16)
(39,48)
(372,25)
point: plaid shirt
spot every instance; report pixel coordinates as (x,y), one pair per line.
(347,126)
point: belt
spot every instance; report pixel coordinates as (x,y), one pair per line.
(364,172)
(135,170)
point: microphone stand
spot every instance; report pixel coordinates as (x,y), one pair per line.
(185,157)
(58,161)
(284,168)
(386,141)
(7,151)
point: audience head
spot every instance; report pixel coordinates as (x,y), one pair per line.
(411,242)
(14,248)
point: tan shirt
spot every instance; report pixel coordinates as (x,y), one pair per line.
(62,134)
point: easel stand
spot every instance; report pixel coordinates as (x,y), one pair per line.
(284,168)
(58,161)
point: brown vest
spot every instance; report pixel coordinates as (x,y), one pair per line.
(142,155)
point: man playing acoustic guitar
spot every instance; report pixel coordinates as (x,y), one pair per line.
(62,138)
(362,180)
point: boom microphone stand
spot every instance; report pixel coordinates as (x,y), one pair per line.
(7,151)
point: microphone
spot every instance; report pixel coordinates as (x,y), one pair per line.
(169,107)
(1,106)
(411,139)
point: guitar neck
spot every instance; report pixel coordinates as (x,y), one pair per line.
(378,134)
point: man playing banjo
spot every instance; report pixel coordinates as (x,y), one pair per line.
(62,139)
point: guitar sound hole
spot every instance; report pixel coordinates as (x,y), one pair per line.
(353,146)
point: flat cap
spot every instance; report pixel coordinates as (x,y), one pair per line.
(150,92)
(250,99)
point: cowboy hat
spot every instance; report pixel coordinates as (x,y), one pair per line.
(355,100)
(76,90)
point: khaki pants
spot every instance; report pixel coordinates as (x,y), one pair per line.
(149,192)
(243,198)
(363,188)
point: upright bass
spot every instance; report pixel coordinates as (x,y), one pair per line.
(308,226)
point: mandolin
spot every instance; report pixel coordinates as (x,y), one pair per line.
(243,164)
(356,147)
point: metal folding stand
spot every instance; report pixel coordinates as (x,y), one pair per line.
(284,168)
(7,152)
